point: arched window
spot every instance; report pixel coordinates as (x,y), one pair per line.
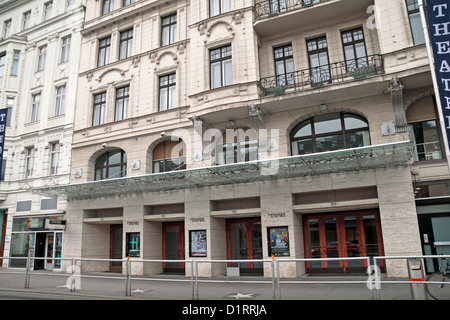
(112,164)
(424,131)
(330,132)
(169,156)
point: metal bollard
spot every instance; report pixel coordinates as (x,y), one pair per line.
(417,279)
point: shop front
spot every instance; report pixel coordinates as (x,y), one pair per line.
(37,237)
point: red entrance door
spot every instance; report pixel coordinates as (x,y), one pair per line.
(347,234)
(173,246)
(244,242)
(116,236)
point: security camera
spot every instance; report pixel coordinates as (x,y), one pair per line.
(163,134)
(104,145)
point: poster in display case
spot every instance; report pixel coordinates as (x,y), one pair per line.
(278,238)
(197,243)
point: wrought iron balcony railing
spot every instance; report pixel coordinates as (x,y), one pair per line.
(316,77)
(270,8)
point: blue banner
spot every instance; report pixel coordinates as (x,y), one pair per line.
(3,116)
(439,30)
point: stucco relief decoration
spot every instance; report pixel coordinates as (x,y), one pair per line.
(226,23)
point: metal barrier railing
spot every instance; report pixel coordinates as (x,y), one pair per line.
(272,282)
(279,281)
(275,280)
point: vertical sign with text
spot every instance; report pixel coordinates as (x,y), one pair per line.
(3,116)
(439,29)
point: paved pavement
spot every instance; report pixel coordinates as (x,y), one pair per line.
(112,286)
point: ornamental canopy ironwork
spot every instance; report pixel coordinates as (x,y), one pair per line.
(356,159)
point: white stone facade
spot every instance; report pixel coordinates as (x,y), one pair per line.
(41,42)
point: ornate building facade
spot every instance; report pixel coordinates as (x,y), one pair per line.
(250,129)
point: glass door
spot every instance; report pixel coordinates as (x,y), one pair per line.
(352,234)
(173,246)
(244,242)
(49,251)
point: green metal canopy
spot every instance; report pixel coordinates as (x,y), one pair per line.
(357,159)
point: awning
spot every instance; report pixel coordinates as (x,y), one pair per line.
(357,159)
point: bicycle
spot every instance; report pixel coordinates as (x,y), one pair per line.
(436,287)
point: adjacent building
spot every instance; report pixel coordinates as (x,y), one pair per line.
(250,129)
(40,42)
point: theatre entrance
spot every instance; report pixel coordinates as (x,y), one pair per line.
(244,242)
(344,234)
(173,247)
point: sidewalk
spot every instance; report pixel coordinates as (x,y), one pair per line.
(112,286)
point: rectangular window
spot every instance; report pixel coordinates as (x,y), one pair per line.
(48,10)
(70,4)
(5,156)
(9,106)
(217,7)
(318,60)
(415,21)
(127,2)
(221,67)
(354,49)
(60,100)
(30,162)
(169,30)
(284,65)
(15,63)
(35,107)
(65,48)
(54,158)
(42,53)
(108,6)
(104,49)
(26,18)
(2,63)
(167,92)
(126,44)
(122,103)
(7,28)
(99,109)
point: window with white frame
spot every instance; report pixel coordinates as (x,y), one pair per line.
(70,4)
(30,152)
(9,106)
(60,100)
(35,107)
(54,158)
(7,28)
(42,54)
(2,63)
(26,20)
(108,6)
(48,6)
(15,63)
(65,48)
